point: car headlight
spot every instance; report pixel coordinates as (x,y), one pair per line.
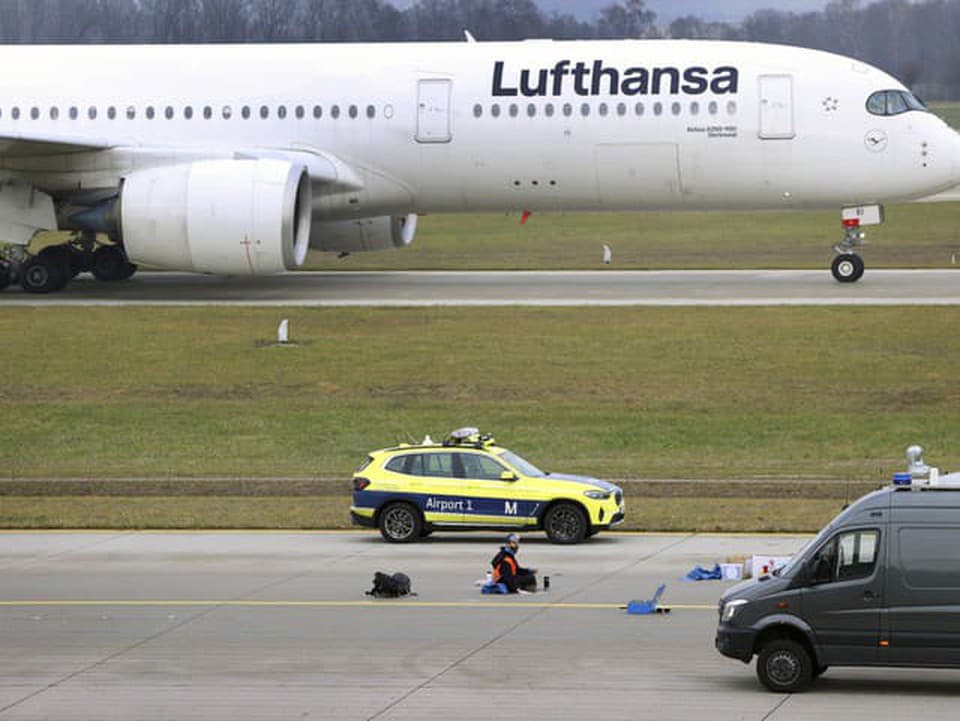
(731,608)
(597,495)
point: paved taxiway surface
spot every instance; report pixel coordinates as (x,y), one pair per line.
(424,288)
(275,626)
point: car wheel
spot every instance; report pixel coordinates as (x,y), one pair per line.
(400,523)
(565,523)
(784,666)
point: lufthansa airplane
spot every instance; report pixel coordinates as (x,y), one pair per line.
(235,159)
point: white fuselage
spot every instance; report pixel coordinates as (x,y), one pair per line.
(536,125)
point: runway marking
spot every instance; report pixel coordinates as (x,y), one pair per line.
(349,604)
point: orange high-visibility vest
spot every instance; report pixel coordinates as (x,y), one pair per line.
(506,559)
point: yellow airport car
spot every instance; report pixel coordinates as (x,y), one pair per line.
(468,482)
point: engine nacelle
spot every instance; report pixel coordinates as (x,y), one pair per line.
(235,217)
(354,236)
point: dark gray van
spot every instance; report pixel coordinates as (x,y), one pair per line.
(879,586)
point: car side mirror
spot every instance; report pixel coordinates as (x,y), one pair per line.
(508,476)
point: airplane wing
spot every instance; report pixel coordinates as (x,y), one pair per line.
(324,168)
(32,144)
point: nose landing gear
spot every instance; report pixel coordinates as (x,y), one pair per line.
(848,266)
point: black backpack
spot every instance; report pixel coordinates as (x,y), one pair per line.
(390,586)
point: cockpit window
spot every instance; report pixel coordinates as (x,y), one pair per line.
(893,102)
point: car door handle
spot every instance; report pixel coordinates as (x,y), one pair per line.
(871,596)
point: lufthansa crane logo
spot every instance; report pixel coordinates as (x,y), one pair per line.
(876,141)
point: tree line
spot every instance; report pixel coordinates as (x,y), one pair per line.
(915,41)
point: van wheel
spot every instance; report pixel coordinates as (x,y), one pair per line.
(784,666)
(565,523)
(400,523)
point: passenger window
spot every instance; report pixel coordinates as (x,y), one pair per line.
(480,467)
(603,110)
(112,112)
(207,112)
(245,112)
(54,113)
(410,465)
(845,557)
(495,110)
(567,110)
(548,110)
(264,112)
(621,109)
(317,112)
(585,109)
(531,110)
(638,109)
(372,112)
(188,112)
(353,111)
(438,465)
(514,110)
(34,113)
(131,112)
(282,112)
(74,112)
(299,112)
(658,108)
(477,110)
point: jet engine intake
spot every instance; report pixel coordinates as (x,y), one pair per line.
(363,234)
(234,217)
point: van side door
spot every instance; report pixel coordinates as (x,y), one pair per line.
(924,593)
(843,600)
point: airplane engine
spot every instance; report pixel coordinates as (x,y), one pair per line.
(235,217)
(354,236)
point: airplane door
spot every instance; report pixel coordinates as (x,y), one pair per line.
(433,111)
(776,107)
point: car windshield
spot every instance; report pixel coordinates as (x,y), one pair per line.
(524,467)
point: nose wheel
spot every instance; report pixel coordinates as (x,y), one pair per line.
(847,268)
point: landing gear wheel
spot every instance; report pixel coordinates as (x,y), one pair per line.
(847,268)
(400,523)
(565,523)
(110,264)
(6,275)
(784,666)
(47,272)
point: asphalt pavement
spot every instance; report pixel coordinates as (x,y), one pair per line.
(115,625)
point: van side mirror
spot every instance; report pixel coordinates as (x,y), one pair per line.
(508,476)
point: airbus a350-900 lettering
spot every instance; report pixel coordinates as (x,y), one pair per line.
(237,159)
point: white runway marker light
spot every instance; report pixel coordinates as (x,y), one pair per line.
(283,332)
(607,255)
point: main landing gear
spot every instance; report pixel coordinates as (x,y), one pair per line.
(52,268)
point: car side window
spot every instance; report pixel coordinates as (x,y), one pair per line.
(845,557)
(410,464)
(480,467)
(439,465)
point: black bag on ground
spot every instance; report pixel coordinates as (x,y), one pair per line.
(390,586)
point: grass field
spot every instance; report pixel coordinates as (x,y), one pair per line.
(620,393)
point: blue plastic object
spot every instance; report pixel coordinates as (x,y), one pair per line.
(699,573)
(494,588)
(902,479)
(649,606)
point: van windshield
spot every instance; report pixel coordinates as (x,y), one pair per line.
(794,563)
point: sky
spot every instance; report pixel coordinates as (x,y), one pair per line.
(669,10)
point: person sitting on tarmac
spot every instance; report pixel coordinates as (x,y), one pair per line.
(507,571)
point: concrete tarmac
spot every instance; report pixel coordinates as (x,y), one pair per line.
(231,625)
(562,288)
